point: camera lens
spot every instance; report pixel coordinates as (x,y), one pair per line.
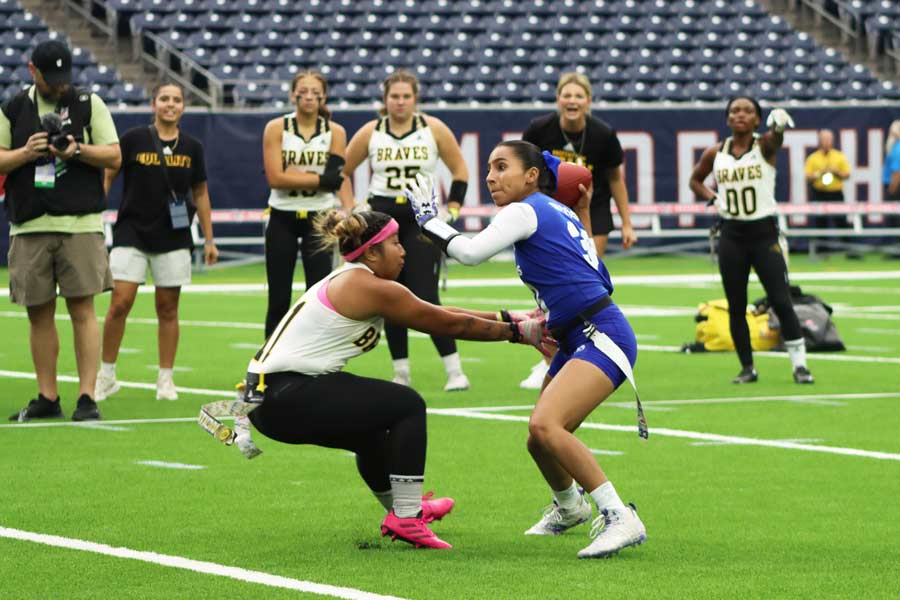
(60,141)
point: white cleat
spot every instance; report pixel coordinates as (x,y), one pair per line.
(457,382)
(536,379)
(614,530)
(402,379)
(557,520)
(165,389)
(105,387)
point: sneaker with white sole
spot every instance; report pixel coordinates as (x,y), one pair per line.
(106,386)
(536,379)
(614,530)
(557,520)
(456,382)
(165,389)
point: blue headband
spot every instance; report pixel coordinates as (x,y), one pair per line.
(553,164)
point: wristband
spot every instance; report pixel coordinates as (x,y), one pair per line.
(516,334)
(454,212)
(457,191)
(503,315)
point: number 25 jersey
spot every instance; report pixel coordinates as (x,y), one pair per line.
(313,338)
(396,160)
(745,184)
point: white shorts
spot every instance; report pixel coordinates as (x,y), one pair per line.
(169,269)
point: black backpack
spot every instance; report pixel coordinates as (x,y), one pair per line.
(814,315)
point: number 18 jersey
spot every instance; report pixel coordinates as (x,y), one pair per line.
(745,184)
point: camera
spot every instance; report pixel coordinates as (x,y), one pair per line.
(52,124)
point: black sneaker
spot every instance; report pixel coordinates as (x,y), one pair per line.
(747,375)
(39,408)
(802,375)
(86,409)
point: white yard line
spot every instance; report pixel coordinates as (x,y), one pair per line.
(606,452)
(798,440)
(878,331)
(812,356)
(697,435)
(188,564)
(169,465)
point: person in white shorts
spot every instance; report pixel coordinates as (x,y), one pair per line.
(152,231)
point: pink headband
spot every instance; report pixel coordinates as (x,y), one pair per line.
(387,231)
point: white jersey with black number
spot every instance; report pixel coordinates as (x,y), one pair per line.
(307,156)
(313,338)
(745,184)
(396,160)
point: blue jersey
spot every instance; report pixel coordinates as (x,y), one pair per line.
(559,262)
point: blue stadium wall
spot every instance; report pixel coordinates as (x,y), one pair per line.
(661,146)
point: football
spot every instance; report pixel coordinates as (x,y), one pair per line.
(570,176)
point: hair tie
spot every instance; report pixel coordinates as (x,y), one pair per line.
(552,163)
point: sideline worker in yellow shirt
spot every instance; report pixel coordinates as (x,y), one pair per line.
(826,170)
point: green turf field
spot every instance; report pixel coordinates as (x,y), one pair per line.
(765,491)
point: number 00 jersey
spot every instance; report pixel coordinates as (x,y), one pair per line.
(746,184)
(396,160)
(313,338)
(307,156)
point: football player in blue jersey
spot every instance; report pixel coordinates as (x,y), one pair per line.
(556,258)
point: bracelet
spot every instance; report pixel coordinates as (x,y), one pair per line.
(516,334)
(209,243)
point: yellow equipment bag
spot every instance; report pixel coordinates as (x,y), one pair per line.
(713,332)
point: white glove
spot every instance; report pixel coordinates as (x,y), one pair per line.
(780,119)
(422,196)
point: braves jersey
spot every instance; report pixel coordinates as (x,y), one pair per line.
(307,156)
(746,183)
(313,338)
(559,262)
(396,160)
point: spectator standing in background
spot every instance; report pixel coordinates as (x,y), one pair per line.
(826,169)
(55,141)
(165,184)
(891,174)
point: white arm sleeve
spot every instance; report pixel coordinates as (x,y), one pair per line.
(514,222)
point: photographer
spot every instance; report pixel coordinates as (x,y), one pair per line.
(55,141)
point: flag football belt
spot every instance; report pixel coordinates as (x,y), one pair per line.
(608,347)
(401,199)
(249,397)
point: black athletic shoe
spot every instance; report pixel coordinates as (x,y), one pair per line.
(802,375)
(39,408)
(86,409)
(747,375)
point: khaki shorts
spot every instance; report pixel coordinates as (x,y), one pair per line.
(39,262)
(169,269)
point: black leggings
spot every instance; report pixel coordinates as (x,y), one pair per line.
(421,272)
(754,244)
(285,234)
(382,422)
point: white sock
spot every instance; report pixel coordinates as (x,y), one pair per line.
(166,373)
(407,495)
(452,364)
(796,350)
(605,496)
(401,367)
(386,498)
(108,369)
(568,498)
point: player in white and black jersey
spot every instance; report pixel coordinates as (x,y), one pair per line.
(306,398)
(303,153)
(398,145)
(744,169)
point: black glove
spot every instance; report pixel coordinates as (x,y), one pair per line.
(331,179)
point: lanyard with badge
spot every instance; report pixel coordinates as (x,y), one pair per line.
(45,167)
(178,212)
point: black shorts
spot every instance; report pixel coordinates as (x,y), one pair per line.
(601,218)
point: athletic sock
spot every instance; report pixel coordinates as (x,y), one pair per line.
(386,498)
(605,496)
(796,350)
(568,498)
(452,363)
(167,373)
(401,367)
(407,495)
(108,369)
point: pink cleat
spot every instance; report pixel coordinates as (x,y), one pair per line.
(434,510)
(412,530)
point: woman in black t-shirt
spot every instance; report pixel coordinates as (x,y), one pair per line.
(153,230)
(573,135)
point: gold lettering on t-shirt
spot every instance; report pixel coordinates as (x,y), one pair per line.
(406,153)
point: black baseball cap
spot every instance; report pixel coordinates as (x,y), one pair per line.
(54,60)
